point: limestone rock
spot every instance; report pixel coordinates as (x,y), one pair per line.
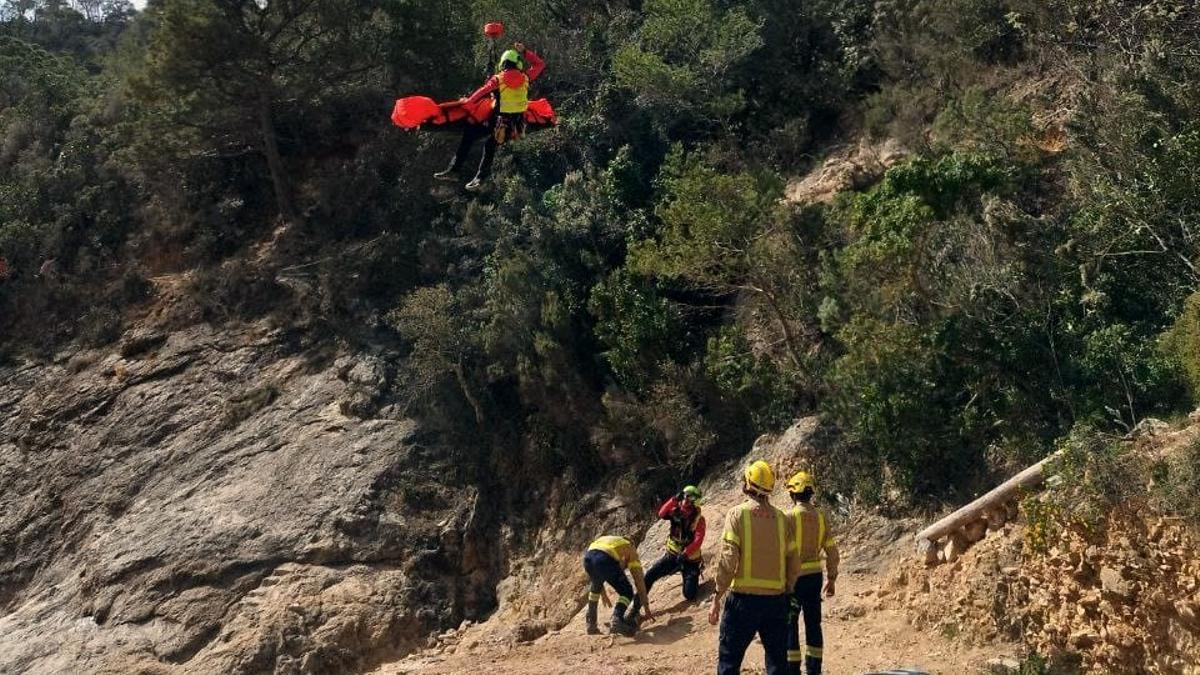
(849,167)
(172,536)
(1003,666)
(975,531)
(1112,582)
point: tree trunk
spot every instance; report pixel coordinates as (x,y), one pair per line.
(789,338)
(461,375)
(976,510)
(279,179)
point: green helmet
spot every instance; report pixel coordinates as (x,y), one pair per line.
(693,493)
(510,55)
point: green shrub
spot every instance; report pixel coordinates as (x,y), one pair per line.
(1177,483)
(751,380)
(664,429)
(99,326)
(1101,473)
(1182,342)
(636,326)
(132,287)
(895,392)
(683,57)
(1137,379)
(236,289)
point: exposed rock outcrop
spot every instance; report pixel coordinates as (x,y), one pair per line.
(227,501)
(849,167)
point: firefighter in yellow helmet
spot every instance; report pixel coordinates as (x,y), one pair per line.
(605,563)
(814,536)
(758,566)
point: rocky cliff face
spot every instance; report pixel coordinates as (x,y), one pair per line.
(228,501)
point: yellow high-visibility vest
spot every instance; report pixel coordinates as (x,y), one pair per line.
(621,549)
(514,91)
(810,551)
(764,564)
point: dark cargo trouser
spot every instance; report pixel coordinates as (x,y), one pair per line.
(475,132)
(806,601)
(671,563)
(602,569)
(745,616)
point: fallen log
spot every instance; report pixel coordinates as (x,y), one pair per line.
(995,499)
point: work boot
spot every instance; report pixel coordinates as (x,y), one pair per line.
(592,627)
(448,174)
(631,619)
(812,665)
(621,627)
(475,185)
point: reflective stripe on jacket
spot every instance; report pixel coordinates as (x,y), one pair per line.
(759,554)
(814,538)
(620,548)
(687,530)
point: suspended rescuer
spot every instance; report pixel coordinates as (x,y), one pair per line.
(814,537)
(683,542)
(605,563)
(509,89)
(758,567)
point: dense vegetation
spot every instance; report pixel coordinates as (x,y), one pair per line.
(634,295)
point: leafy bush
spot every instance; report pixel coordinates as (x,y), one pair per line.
(752,380)
(100,326)
(444,342)
(895,390)
(1177,483)
(684,55)
(237,289)
(1100,474)
(1182,342)
(1140,380)
(667,429)
(636,326)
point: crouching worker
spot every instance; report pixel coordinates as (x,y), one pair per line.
(683,543)
(605,563)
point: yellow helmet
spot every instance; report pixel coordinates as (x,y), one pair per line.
(760,477)
(803,479)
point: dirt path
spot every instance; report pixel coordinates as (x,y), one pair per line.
(866,625)
(860,637)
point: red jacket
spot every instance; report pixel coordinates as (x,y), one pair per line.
(536,66)
(687,528)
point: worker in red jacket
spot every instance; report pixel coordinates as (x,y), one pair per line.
(509,89)
(683,542)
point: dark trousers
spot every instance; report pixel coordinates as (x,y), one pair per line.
(474,132)
(806,602)
(671,563)
(602,569)
(745,616)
